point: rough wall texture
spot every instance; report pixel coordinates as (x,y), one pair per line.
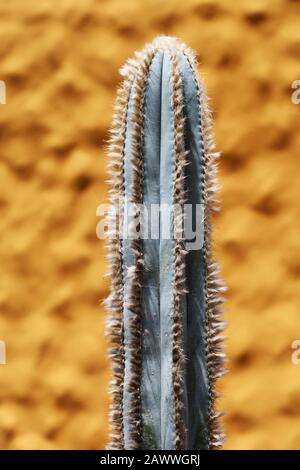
(60,63)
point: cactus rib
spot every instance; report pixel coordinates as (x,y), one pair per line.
(132,414)
(114,303)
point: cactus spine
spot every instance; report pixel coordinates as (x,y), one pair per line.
(165,302)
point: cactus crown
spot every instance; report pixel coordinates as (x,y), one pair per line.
(165,302)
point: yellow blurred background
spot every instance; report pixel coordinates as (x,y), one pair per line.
(60,61)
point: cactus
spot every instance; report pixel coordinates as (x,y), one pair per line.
(165,302)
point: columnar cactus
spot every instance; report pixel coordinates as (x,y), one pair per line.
(165,300)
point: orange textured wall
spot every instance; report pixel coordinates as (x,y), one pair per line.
(60,62)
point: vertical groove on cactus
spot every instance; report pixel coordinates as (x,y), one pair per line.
(179,275)
(165,300)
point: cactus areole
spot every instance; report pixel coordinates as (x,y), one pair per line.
(165,301)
